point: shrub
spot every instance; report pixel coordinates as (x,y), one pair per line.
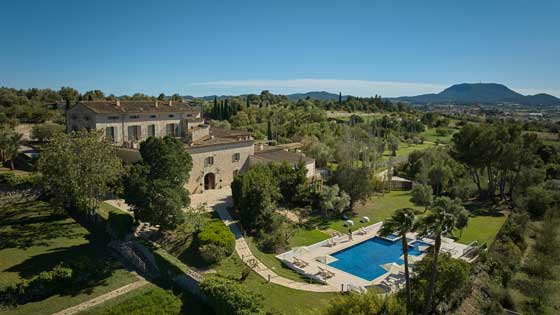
(230,298)
(120,223)
(19,181)
(46,131)
(442,132)
(215,242)
(273,242)
(64,277)
(422,195)
(365,304)
(42,286)
(538,201)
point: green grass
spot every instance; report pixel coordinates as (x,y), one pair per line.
(277,299)
(481,228)
(148,300)
(105,208)
(5,170)
(304,237)
(34,238)
(431,135)
(377,209)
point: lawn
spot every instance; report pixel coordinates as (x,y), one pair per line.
(431,135)
(34,238)
(406,148)
(377,209)
(148,300)
(105,208)
(304,237)
(277,299)
(481,228)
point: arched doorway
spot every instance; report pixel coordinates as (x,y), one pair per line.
(209,181)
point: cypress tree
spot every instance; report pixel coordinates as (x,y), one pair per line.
(215,108)
(227,111)
(269,129)
(339,99)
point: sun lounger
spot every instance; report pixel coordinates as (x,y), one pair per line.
(300,263)
(326,273)
(331,242)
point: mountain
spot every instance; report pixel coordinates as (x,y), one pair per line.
(481,93)
(321,95)
(316,95)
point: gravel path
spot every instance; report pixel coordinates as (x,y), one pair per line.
(103,298)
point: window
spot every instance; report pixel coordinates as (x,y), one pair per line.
(153,116)
(133,133)
(110,133)
(171,116)
(113,117)
(209,161)
(236,157)
(172,130)
(133,116)
(151,130)
(235,173)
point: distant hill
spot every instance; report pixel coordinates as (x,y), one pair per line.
(321,95)
(481,93)
(316,95)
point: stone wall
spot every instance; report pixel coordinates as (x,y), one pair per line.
(223,167)
(80,117)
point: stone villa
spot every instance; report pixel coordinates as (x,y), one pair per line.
(217,154)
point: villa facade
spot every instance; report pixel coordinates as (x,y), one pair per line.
(218,155)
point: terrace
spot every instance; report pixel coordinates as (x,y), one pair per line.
(350,262)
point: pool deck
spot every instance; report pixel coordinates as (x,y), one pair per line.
(324,249)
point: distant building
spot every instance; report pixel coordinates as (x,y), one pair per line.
(217,154)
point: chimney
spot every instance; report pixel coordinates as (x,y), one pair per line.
(118,103)
(156,104)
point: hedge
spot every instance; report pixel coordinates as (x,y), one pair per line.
(230,298)
(215,241)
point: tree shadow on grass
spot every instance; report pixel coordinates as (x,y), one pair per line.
(28,224)
(477,208)
(97,266)
(43,262)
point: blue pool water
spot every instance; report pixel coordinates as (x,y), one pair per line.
(365,259)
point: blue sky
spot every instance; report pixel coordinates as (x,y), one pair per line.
(209,47)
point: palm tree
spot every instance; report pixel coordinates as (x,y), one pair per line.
(402,222)
(12,147)
(440,220)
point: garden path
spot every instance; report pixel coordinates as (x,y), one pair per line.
(103,298)
(219,200)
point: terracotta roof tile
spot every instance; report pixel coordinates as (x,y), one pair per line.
(106,107)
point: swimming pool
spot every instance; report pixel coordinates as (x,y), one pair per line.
(365,260)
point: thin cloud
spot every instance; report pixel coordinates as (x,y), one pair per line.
(353,87)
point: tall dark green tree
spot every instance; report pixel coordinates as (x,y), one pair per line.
(155,186)
(269,130)
(254,197)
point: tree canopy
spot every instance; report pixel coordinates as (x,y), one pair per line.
(155,186)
